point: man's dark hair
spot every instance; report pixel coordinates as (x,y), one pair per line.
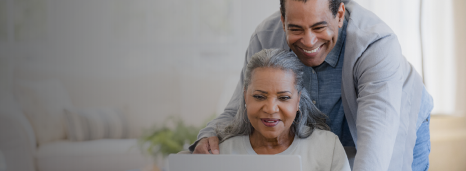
(333,5)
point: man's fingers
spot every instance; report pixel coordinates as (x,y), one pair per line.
(202,147)
(207,144)
(213,143)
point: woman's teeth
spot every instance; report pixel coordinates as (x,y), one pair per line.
(312,51)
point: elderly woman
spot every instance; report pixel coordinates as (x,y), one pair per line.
(278,117)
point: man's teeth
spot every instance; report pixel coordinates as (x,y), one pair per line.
(312,51)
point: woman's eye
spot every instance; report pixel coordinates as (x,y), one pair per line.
(259,97)
(283,98)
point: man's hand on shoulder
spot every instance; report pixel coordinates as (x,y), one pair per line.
(207,144)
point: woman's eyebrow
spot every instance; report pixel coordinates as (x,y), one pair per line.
(262,91)
(281,92)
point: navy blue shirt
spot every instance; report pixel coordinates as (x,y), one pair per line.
(324,85)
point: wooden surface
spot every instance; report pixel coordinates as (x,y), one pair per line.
(448,143)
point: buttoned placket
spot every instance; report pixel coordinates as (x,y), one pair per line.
(314,86)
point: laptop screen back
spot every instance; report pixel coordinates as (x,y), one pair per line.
(195,162)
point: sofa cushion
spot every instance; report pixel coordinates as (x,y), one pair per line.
(96,123)
(96,155)
(43,103)
(17,140)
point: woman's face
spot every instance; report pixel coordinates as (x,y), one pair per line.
(272,102)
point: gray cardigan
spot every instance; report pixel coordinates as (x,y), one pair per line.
(381,91)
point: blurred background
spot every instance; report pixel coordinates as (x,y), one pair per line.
(82,80)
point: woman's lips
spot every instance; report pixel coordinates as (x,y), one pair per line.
(270,122)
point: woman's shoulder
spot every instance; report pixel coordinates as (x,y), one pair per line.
(232,140)
(321,137)
(319,133)
(322,150)
(232,145)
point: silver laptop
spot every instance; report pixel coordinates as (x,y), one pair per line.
(203,162)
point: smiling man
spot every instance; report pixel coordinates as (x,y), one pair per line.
(374,99)
(311,34)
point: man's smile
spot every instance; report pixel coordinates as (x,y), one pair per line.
(313,50)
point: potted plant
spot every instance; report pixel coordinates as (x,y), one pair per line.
(174,136)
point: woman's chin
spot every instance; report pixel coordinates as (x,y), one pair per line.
(270,134)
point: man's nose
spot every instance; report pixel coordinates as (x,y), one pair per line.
(309,39)
(271,107)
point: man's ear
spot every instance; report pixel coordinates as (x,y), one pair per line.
(283,23)
(341,14)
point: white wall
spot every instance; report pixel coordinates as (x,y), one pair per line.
(156,57)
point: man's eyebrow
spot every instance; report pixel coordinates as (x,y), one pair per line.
(293,25)
(319,23)
(316,24)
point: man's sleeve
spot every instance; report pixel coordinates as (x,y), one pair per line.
(232,106)
(379,80)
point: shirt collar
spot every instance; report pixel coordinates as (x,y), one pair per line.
(333,57)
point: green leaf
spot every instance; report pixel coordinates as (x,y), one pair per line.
(165,140)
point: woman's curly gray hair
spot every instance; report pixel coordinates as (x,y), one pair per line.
(309,117)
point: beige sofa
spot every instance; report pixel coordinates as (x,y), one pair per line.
(26,148)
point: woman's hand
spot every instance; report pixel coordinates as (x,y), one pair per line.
(207,146)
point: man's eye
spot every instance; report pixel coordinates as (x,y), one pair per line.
(259,97)
(295,30)
(319,28)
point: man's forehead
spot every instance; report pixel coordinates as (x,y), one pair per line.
(308,5)
(321,2)
(308,13)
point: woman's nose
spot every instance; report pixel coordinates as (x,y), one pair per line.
(271,107)
(309,39)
